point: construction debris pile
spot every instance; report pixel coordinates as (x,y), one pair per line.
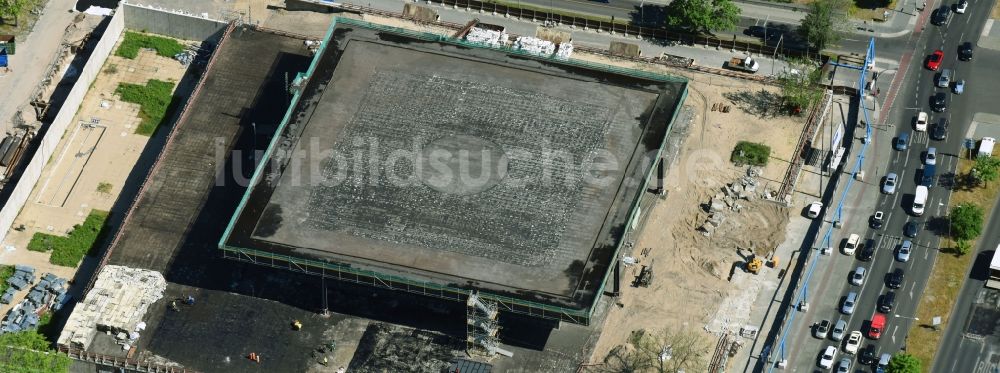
(48,294)
(116,305)
(198,54)
(729,199)
(492,38)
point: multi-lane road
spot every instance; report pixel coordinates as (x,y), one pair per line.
(912,96)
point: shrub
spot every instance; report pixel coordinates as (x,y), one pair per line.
(68,251)
(5,272)
(751,153)
(155,100)
(28,351)
(134,41)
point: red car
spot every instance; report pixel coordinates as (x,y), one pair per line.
(877,326)
(934,60)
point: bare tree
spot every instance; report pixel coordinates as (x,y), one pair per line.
(660,351)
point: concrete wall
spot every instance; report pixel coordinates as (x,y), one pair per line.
(170,23)
(56,130)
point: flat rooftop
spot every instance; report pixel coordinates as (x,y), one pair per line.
(466,167)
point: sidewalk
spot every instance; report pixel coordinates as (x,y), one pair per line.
(34,54)
(703,55)
(900,21)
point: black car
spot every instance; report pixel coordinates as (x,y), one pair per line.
(965,51)
(895,279)
(911,229)
(868,251)
(940,131)
(941,15)
(886,302)
(939,102)
(755,31)
(868,355)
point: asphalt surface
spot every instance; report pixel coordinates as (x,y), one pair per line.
(912,96)
(964,348)
(644,13)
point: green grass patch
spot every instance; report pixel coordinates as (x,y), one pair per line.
(135,41)
(751,153)
(69,250)
(155,100)
(5,272)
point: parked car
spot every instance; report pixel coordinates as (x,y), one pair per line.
(934,60)
(895,279)
(903,255)
(815,209)
(939,102)
(853,343)
(839,329)
(911,229)
(821,329)
(858,277)
(826,358)
(889,186)
(965,51)
(851,245)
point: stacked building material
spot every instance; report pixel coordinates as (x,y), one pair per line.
(535,45)
(493,38)
(565,50)
(43,296)
(116,304)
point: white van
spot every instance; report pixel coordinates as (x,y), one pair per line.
(919,200)
(986,147)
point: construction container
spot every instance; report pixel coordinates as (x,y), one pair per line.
(7,42)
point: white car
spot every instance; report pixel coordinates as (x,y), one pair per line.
(858,277)
(853,343)
(921,124)
(961,7)
(826,359)
(852,244)
(931,157)
(815,209)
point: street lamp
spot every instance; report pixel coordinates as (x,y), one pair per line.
(904,317)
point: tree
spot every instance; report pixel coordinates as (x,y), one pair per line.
(825,22)
(963,247)
(904,363)
(799,89)
(966,221)
(702,16)
(662,351)
(987,168)
(11,9)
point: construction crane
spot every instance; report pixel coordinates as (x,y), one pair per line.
(465,30)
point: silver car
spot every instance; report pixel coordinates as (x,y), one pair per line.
(890,183)
(845,365)
(904,251)
(839,329)
(849,303)
(931,157)
(858,277)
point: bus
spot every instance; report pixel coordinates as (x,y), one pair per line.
(993,282)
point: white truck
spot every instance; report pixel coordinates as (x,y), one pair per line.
(986,147)
(746,64)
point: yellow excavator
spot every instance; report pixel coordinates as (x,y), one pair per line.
(754,264)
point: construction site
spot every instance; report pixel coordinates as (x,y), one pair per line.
(380,195)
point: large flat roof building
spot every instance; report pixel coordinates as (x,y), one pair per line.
(430,165)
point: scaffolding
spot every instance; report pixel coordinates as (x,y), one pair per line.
(482,328)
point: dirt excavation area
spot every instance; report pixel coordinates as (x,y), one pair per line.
(692,243)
